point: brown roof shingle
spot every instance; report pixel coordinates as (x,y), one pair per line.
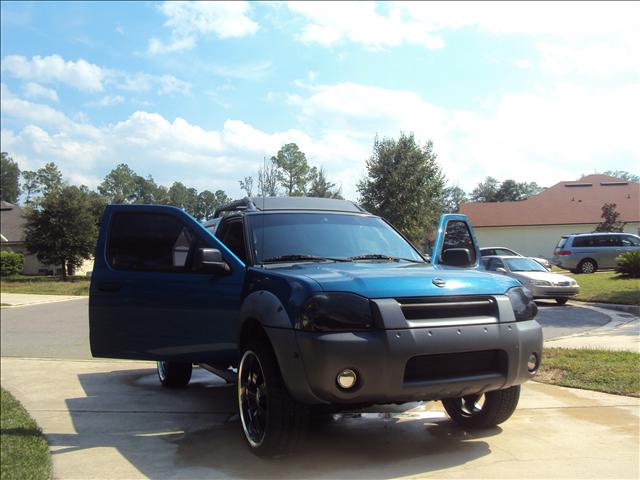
(565,203)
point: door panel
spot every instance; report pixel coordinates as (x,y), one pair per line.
(147,302)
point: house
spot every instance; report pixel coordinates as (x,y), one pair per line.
(12,239)
(534,226)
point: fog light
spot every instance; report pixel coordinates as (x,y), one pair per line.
(533,363)
(346,378)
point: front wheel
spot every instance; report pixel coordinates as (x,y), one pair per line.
(484,410)
(272,421)
(561,301)
(174,374)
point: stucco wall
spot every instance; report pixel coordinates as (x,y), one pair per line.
(535,241)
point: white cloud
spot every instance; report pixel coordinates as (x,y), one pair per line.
(572,37)
(157,46)
(554,134)
(35,90)
(107,101)
(188,20)
(252,71)
(170,84)
(523,64)
(361,22)
(618,55)
(86,77)
(53,68)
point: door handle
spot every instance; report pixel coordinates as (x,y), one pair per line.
(109,286)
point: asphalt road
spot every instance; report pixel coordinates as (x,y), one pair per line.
(61,330)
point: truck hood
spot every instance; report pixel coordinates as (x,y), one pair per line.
(386,280)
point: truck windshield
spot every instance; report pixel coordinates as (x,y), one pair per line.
(318,236)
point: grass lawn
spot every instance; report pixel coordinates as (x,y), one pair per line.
(45,285)
(608,287)
(24,452)
(590,369)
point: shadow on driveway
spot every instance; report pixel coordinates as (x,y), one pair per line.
(195,432)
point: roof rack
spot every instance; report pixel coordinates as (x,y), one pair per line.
(238,205)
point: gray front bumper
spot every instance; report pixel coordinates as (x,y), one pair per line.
(310,361)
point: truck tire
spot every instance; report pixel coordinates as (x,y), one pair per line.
(272,421)
(174,374)
(469,412)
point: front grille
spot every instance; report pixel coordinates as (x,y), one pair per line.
(451,365)
(447,307)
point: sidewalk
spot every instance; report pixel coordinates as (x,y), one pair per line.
(24,299)
(621,333)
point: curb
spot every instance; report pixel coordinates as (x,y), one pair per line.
(633,309)
(45,302)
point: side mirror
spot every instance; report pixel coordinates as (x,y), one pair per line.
(501,270)
(456,257)
(210,259)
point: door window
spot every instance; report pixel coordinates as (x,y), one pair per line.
(232,235)
(457,236)
(630,241)
(494,264)
(148,242)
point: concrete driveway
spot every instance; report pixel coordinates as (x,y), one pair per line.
(113,420)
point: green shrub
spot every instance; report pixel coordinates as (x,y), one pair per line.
(11,263)
(629,264)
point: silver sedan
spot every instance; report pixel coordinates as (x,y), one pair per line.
(541,282)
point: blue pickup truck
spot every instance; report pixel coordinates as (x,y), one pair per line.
(311,305)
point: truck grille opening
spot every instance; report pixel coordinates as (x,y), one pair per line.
(447,307)
(451,365)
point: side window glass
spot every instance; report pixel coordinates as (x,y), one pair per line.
(615,241)
(457,236)
(495,264)
(629,241)
(148,242)
(232,235)
(181,248)
(583,241)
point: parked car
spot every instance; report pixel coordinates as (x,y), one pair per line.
(541,282)
(588,252)
(507,252)
(315,303)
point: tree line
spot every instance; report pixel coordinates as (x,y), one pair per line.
(289,173)
(404,183)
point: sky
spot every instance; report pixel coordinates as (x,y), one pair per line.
(202,92)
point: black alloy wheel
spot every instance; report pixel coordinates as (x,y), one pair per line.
(252,398)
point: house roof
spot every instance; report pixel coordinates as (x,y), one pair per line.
(576,202)
(11,222)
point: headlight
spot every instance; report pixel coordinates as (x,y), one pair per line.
(524,308)
(336,312)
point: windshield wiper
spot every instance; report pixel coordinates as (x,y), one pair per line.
(302,257)
(381,256)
